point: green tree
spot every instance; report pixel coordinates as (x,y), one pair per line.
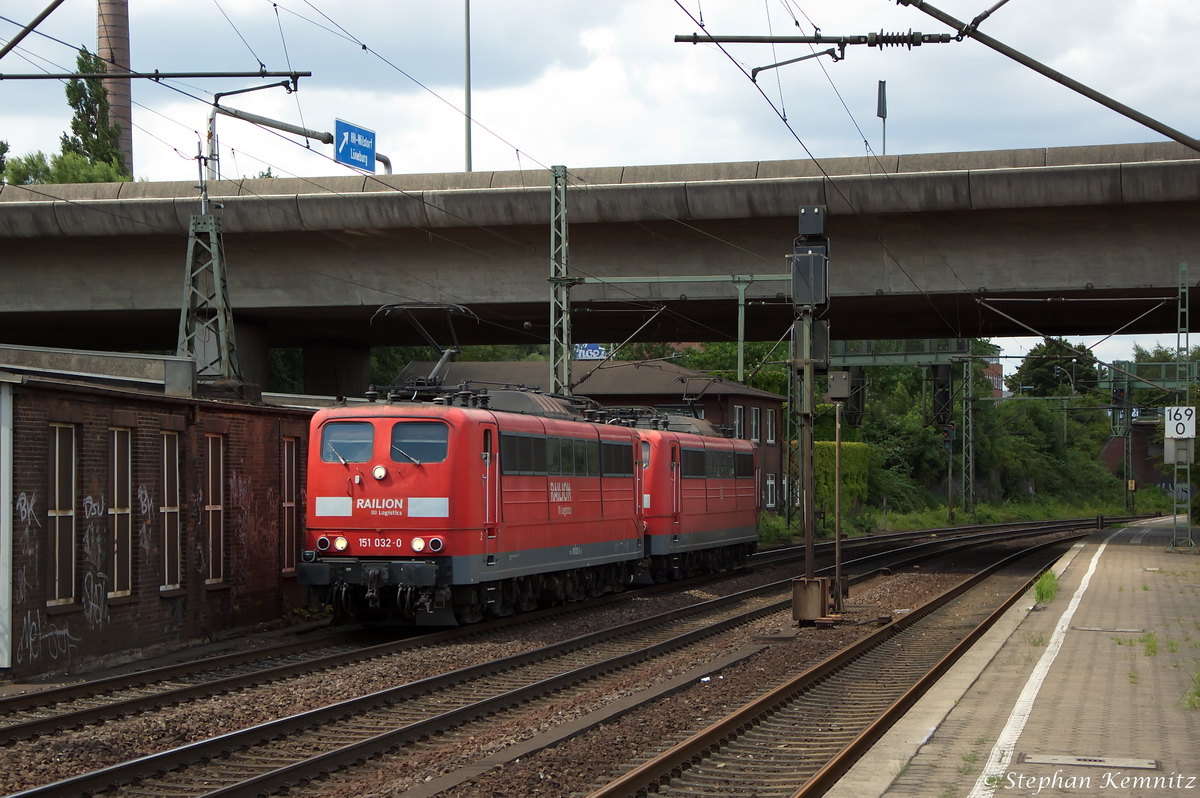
(3,158)
(93,134)
(1055,367)
(91,154)
(68,167)
(33,168)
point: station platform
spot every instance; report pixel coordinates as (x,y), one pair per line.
(1087,695)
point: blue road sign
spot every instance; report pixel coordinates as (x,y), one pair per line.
(590,352)
(354,146)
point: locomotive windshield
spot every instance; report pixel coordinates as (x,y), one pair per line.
(419,442)
(347,442)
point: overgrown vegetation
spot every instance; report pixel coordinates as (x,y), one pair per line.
(1191,699)
(1046,588)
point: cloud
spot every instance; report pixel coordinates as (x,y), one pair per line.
(591,84)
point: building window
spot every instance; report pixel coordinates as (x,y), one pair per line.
(214,509)
(755,422)
(120,501)
(60,515)
(770,490)
(770,425)
(288,511)
(739,421)
(172,543)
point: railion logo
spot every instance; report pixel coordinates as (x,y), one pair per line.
(560,491)
(379,504)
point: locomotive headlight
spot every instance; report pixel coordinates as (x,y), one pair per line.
(418,544)
(379,472)
(340,543)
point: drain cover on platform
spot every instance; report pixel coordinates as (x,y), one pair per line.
(1125,763)
(1102,629)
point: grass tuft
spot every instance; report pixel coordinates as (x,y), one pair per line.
(1046,588)
(1191,699)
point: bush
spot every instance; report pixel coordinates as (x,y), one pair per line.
(772,528)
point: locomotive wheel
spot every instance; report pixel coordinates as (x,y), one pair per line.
(526,594)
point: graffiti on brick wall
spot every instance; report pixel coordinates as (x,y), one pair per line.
(95,532)
(146,512)
(40,637)
(95,598)
(21,587)
(95,549)
(27,520)
(28,542)
(252,531)
(173,618)
(197,509)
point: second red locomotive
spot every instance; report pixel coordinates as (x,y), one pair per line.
(483,504)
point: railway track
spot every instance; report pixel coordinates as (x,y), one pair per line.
(46,712)
(797,739)
(268,756)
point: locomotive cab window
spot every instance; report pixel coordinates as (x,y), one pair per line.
(347,441)
(420,442)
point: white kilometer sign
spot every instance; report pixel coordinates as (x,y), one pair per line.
(1180,422)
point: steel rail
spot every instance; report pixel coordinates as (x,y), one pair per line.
(208,749)
(35,727)
(646,776)
(845,759)
(77,718)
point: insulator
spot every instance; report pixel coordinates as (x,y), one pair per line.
(898,39)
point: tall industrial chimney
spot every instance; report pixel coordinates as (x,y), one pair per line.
(113,46)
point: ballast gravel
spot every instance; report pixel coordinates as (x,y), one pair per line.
(555,771)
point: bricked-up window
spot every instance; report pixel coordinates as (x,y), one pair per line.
(60,516)
(289,504)
(120,501)
(172,543)
(214,508)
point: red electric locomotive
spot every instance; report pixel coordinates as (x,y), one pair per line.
(437,513)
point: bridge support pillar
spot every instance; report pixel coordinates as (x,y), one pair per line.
(342,370)
(252,352)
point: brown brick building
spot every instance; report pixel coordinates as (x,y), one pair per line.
(137,516)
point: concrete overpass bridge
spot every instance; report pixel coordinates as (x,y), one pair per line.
(917,241)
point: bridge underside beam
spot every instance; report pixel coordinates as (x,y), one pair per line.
(1085,313)
(893,275)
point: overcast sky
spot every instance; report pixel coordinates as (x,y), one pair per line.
(603,83)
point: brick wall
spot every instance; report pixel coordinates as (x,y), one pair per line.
(96,626)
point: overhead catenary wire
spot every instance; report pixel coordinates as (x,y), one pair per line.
(516,326)
(635,298)
(828,177)
(344,33)
(240,36)
(288,60)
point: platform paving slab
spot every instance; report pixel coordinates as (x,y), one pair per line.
(1108,706)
